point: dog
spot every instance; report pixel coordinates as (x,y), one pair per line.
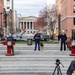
(41,45)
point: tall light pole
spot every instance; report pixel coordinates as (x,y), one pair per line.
(1,19)
(5,22)
(1,30)
(59,20)
(59,23)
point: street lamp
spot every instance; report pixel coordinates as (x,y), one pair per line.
(1,19)
(5,22)
(1,30)
(59,21)
(59,24)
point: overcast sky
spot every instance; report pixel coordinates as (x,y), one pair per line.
(30,7)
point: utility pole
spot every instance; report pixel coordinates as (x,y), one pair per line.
(5,22)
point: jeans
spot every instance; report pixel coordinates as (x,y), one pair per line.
(37,43)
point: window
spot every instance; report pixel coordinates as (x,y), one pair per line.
(74,20)
(8,7)
(74,9)
(73,34)
(8,0)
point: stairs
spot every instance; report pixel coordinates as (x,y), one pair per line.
(27,61)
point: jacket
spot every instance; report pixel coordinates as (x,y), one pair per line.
(10,38)
(37,37)
(71,68)
(63,37)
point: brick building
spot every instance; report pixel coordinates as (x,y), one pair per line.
(1,13)
(68,16)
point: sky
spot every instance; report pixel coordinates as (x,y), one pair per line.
(30,7)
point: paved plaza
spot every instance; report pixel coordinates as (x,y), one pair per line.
(26,61)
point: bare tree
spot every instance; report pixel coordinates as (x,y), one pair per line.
(41,22)
(51,17)
(47,18)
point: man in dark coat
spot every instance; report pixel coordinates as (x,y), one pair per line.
(71,68)
(37,39)
(63,38)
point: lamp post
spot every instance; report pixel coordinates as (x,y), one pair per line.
(59,20)
(1,19)
(1,30)
(59,24)
(5,22)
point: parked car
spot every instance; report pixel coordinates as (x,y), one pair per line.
(42,36)
(26,36)
(46,37)
(18,36)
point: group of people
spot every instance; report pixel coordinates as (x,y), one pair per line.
(61,37)
(40,45)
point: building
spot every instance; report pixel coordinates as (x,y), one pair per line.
(58,7)
(68,17)
(1,13)
(27,24)
(15,20)
(8,4)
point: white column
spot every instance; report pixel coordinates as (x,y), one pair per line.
(32,25)
(29,27)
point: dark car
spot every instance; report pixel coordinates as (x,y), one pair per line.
(46,37)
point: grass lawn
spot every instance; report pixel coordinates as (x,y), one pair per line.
(45,42)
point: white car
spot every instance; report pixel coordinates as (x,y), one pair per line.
(26,36)
(18,36)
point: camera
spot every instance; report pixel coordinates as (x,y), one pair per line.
(57,62)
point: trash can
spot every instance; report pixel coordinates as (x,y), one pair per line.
(29,41)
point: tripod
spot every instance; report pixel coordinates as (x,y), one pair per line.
(58,70)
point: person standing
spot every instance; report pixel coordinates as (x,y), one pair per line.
(37,39)
(10,38)
(63,38)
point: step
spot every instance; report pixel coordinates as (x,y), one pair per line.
(32,73)
(35,58)
(32,52)
(31,48)
(19,47)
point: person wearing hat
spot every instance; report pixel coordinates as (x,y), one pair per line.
(63,38)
